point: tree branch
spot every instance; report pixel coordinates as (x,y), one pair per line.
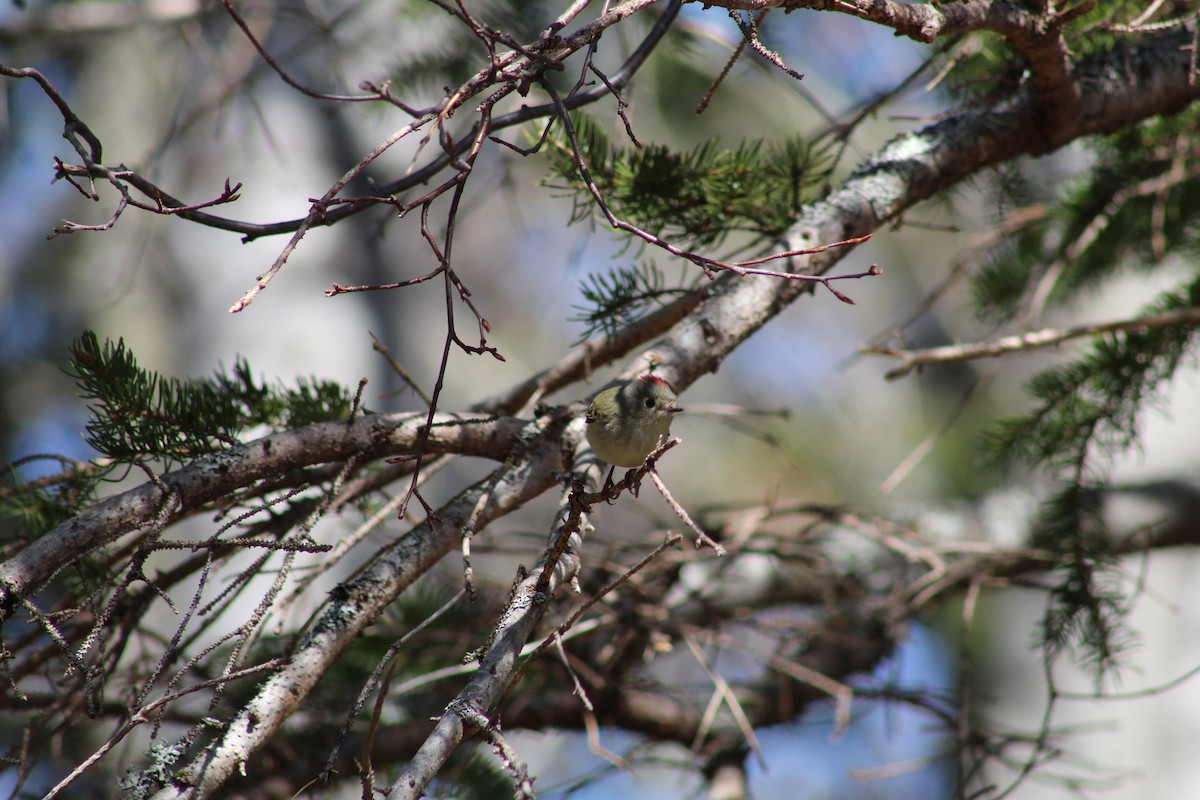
(212,477)
(1032,340)
(1122,88)
(351,609)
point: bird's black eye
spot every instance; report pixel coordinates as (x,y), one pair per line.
(648,402)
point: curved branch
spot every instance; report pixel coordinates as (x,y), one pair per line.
(1030,340)
(926,22)
(550,48)
(1036,34)
(350,610)
(212,477)
(1122,88)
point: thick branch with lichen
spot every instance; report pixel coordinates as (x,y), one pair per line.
(215,476)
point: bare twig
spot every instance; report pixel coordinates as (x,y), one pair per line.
(288,79)
(318,211)
(399,369)
(1049,337)
(525,608)
(143,715)
(750,32)
(571,624)
(376,679)
(702,538)
(722,693)
(73,124)
(702,106)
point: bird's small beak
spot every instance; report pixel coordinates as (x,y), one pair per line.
(675,410)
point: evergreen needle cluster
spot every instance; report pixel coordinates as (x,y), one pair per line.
(140,416)
(1136,209)
(615,298)
(696,199)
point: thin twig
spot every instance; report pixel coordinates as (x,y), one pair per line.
(750,31)
(702,106)
(723,692)
(710,265)
(1032,340)
(288,79)
(702,538)
(383,350)
(570,626)
(317,211)
(376,678)
(142,716)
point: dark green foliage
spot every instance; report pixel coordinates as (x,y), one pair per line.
(695,199)
(1130,209)
(311,401)
(1091,408)
(1138,204)
(1000,286)
(136,413)
(1086,608)
(1094,404)
(139,416)
(40,506)
(620,296)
